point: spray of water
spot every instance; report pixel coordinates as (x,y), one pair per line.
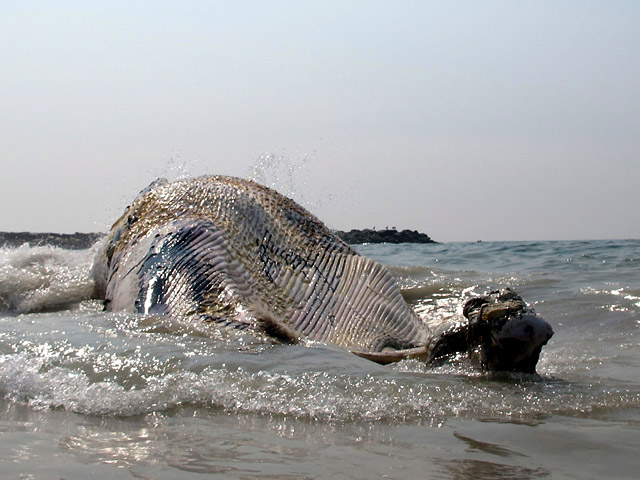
(34,279)
(282,173)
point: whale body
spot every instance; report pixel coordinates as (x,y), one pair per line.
(229,251)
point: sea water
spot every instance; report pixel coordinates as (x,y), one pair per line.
(85,392)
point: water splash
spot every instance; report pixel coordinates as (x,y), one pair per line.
(173,168)
(34,279)
(281,172)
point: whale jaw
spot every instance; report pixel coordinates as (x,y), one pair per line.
(510,334)
(516,345)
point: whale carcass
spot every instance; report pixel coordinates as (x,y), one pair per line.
(232,252)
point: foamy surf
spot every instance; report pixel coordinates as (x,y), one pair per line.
(44,278)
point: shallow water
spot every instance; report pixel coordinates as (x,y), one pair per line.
(127,396)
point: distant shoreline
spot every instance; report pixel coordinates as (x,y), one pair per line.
(80,241)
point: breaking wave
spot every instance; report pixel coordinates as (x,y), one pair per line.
(44,278)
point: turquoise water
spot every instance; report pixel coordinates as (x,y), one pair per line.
(85,392)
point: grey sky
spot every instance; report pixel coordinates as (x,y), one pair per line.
(465,120)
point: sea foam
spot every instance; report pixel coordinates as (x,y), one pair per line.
(44,278)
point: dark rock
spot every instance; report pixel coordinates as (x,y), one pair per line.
(383,236)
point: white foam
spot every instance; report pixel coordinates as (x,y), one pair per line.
(44,278)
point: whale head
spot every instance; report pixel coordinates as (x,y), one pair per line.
(510,334)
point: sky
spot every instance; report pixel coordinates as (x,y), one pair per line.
(466,120)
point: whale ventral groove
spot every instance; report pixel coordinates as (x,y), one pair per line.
(231,251)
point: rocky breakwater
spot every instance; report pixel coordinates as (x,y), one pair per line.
(76,241)
(384,236)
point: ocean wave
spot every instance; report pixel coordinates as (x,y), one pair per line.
(44,278)
(97,363)
(407,393)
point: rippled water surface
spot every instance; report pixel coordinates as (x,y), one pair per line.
(125,396)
